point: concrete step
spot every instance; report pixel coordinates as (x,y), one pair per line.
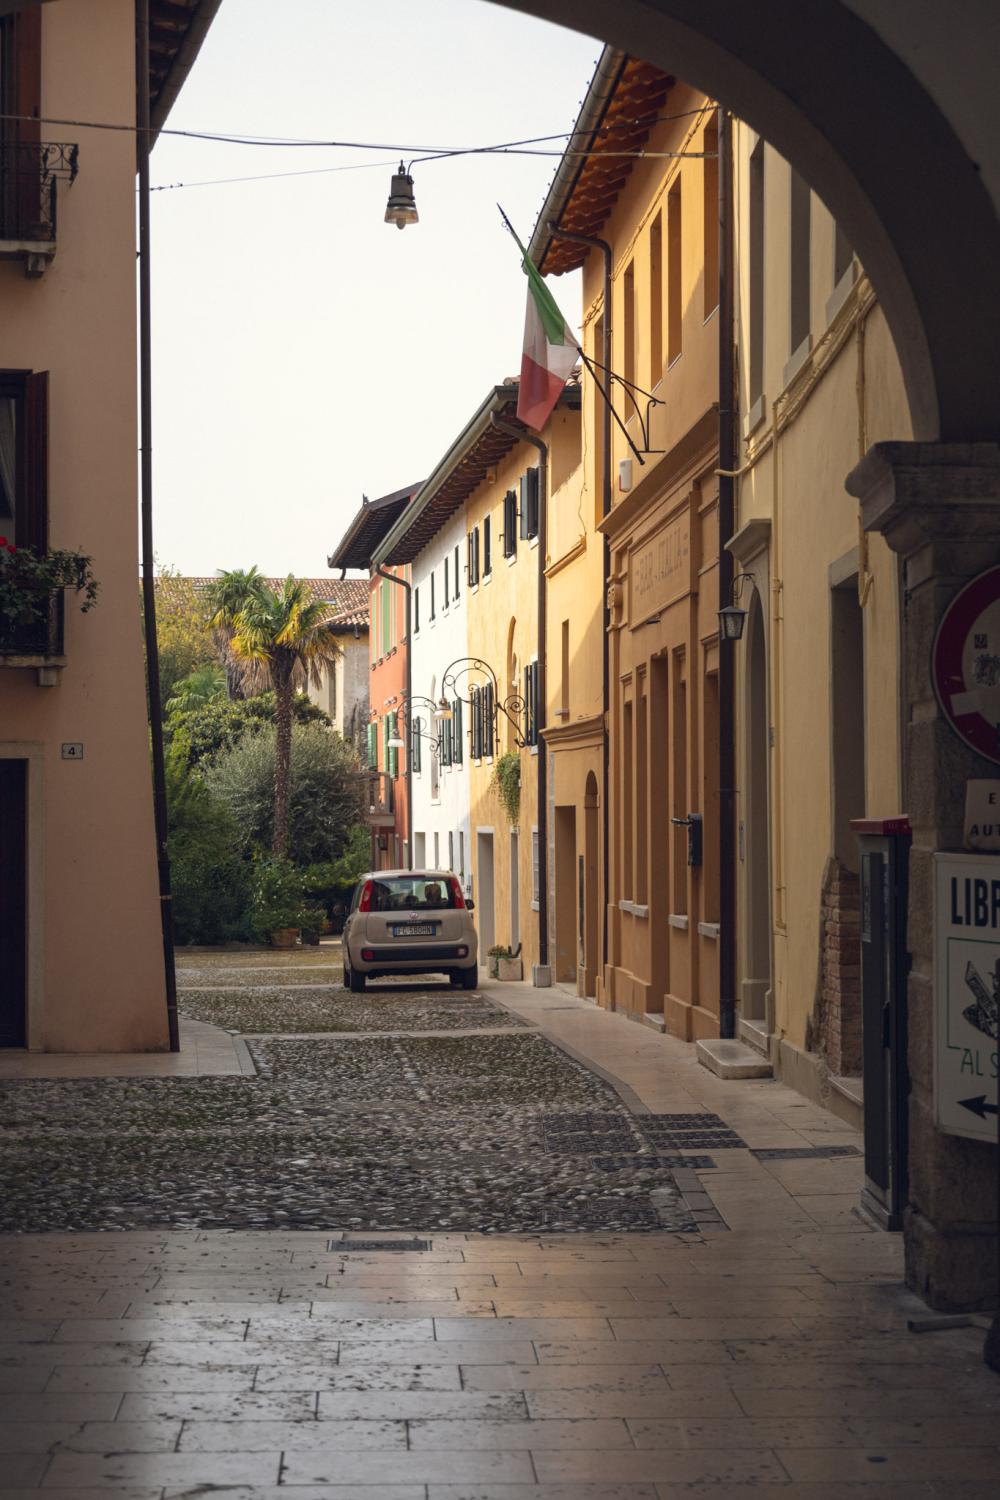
(731,1059)
(753,1030)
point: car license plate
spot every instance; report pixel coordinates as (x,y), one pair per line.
(414,929)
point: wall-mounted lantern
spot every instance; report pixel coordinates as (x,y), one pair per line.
(732,617)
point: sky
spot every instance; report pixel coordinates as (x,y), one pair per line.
(305,352)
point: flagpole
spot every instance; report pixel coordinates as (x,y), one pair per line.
(593,373)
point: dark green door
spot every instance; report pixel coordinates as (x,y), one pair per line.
(13,905)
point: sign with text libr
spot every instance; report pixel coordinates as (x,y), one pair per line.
(966,993)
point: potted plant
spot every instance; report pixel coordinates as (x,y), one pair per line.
(507,780)
(279,906)
(505,965)
(28,579)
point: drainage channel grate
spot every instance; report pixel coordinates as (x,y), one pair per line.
(356,1245)
(802,1153)
(689,1132)
(588,1134)
(637,1163)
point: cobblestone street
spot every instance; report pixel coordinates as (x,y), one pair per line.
(423,1245)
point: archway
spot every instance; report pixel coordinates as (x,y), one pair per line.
(891,115)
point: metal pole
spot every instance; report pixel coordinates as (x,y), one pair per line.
(727,521)
(146,514)
(524,436)
(408,764)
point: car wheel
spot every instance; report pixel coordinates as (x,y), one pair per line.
(470,978)
(455,979)
(356,982)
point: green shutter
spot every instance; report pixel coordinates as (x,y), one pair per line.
(373,745)
(456,724)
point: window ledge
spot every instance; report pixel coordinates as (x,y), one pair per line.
(511,559)
(634,908)
(708,930)
(487,578)
(36,254)
(678,920)
(755,416)
(533,540)
(796,360)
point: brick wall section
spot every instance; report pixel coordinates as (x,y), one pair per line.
(840,971)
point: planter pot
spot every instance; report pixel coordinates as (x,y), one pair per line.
(509,969)
(284,937)
(310,937)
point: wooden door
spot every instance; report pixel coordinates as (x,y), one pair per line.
(13,904)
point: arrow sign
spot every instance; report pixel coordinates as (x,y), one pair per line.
(979,1106)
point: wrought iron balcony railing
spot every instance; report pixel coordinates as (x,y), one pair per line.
(30,172)
(41,636)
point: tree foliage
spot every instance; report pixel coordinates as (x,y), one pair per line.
(210,879)
(328,792)
(182,630)
(202,732)
(277,636)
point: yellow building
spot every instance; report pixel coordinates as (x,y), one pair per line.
(82,954)
(649,253)
(818,668)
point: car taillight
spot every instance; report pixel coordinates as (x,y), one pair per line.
(368,954)
(365,904)
(456,892)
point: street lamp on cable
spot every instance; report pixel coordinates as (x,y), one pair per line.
(401,208)
(732,617)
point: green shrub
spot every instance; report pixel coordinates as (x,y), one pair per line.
(278,899)
(209,878)
(210,728)
(328,798)
(507,780)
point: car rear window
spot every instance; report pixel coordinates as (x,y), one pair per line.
(412,893)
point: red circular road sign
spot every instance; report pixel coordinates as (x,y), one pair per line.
(965,664)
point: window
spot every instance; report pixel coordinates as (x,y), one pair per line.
(451,850)
(456,573)
(477,723)
(655,300)
(444,742)
(628,328)
(416,611)
(461,852)
(755,329)
(529,503)
(20,96)
(536,883)
(488,720)
(456,732)
(675,305)
(710,214)
(843,254)
(472,566)
(24,510)
(432,596)
(416,726)
(487,550)
(437,852)
(799,258)
(531,703)
(509,537)
(564,671)
(447,599)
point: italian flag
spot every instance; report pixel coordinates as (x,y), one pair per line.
(550,352)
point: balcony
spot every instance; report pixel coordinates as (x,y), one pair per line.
(30,173)
(381,802)
(38,642)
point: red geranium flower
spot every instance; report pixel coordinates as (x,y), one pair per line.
(3,541)
(11,548)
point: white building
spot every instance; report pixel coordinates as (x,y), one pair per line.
(441,749)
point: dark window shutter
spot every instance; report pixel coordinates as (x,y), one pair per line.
(487,546)
(488,738)
(33,501)
(525,489)
(457,589)
(416,610)
(529,500)
(446,583)
(456,739)
(415,727)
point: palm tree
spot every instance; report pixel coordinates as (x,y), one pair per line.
(279,639)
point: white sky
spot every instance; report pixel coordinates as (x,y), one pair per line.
(304,351)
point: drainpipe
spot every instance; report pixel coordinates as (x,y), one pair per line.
(727,518)
(606,502)
(408,765)
(542,977)
(142,138)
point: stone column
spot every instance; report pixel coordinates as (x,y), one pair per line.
(938,507)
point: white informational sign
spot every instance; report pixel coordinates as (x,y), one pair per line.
(966,993)
(982,815)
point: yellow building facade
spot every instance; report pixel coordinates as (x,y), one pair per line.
(817,679)
(651,537)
